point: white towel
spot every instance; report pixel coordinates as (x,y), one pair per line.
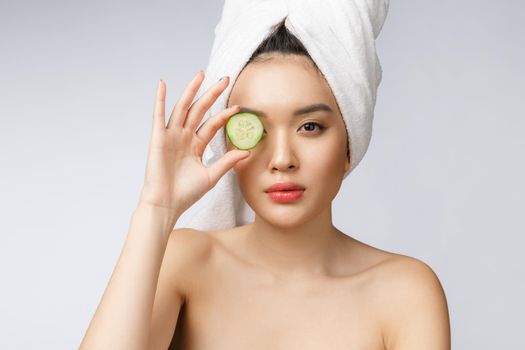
(340,37)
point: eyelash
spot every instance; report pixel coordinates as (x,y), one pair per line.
(319,126)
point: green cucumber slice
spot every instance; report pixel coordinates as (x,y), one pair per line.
(244,130)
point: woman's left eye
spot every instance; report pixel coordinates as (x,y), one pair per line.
(311,126)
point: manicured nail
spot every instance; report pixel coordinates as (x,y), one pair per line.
(224,77)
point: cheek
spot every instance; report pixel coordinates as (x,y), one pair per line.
(248,179)
(324,158)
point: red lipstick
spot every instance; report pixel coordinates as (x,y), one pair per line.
(285,191)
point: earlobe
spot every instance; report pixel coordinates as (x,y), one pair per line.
(347,164)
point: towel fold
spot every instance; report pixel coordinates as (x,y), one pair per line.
(340,37)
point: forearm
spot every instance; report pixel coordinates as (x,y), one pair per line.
(122,319)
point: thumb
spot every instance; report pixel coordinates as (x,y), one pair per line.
(225,163)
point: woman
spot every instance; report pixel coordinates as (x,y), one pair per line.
(289,279)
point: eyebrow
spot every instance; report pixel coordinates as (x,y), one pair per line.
(304,110)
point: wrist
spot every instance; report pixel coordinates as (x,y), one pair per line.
(166,216)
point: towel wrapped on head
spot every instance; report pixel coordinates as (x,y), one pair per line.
(339,36)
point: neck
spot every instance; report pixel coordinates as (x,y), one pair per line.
(305,250)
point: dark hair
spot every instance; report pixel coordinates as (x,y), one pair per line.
(282,41)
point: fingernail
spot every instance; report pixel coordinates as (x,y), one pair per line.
(224,77)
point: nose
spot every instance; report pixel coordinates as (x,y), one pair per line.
(283,157)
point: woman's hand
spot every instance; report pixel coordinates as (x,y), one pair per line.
(175,176)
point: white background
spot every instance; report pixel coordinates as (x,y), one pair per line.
(442,180)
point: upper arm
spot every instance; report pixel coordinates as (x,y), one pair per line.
(186,248)
(417,315)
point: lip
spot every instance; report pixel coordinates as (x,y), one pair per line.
(286,196)
(284,186)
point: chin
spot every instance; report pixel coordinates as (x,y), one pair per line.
(284,217)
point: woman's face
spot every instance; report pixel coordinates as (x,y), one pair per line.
(293,148)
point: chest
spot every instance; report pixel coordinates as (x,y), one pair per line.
(241,309)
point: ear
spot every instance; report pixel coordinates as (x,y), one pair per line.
(347,162)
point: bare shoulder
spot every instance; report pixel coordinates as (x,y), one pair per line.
(186,255)
(413,305)
(401,271)
(189,243)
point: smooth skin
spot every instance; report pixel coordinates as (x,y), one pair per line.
(290,280)
(175,178)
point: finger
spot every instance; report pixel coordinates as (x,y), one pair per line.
(178,115)
(225,163)
(207,130)
(160,101)
(199,108)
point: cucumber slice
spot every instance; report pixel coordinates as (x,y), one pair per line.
(244,130)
